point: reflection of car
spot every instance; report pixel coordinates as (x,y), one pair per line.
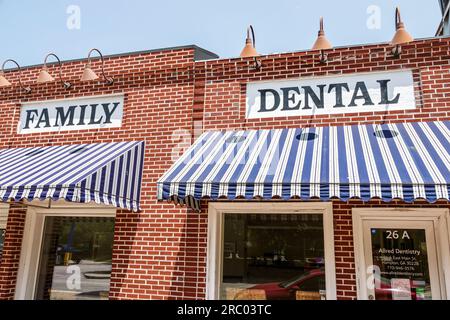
(313,281)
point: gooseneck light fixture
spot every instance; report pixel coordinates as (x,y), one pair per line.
(89,74)
(5,83)
(322,43)
(45,77)
(401,36)
(249,50)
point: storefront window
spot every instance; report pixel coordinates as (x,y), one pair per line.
(75,259)
(273,256)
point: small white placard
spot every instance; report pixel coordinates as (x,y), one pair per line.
(401,289)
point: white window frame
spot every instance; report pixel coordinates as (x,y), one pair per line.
(32,239)
(441,221)
(216,212)
(4,211)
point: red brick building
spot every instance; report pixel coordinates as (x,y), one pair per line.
(253,245)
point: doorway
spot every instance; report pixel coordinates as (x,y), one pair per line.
(401,254)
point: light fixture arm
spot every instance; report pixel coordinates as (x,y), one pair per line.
(398,18)
(398,23)
(258,64)
(251,32)
(396,51)
(323,56)
(25,89)
(108,80)
(401,36)
(321,30)
(66,85)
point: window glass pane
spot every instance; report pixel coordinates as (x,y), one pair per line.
(401,259)
(75,261)
(273,256)
(313,283)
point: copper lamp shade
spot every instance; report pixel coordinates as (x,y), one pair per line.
(44,76)
(88,74)
(322,42)
(401,35)
(249,49)
(4,82)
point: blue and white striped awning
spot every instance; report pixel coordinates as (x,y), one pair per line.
(391,161)
(106,173)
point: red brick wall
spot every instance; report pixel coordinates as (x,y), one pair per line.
(159,243)
(11,251)
(160,253)
(428,59)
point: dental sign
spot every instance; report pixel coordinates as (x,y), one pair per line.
(72,114)
(369,92)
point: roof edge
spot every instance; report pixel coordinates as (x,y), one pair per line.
(339,47)
(199,54)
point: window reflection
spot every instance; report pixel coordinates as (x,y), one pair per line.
(75,261)
(273,256)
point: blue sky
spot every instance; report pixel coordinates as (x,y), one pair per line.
(32,28)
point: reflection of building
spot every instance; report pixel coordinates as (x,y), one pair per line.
(444,26)
(301,164)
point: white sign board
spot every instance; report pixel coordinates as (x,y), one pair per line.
(368,92)
(71,114)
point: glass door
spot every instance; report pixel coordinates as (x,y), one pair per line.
(401,260)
